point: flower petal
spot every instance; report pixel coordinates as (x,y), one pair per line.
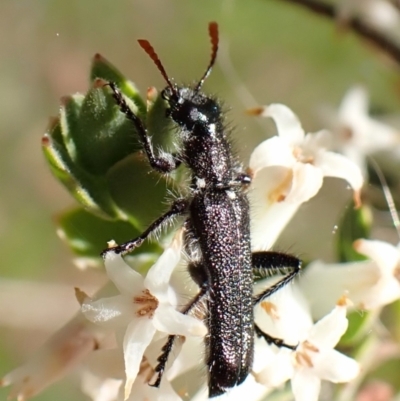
(353,105)
(105,363)
(168,320)
(354,279)
(287,123)
(384,254)
(307,181)
(386,292)
(137,337)
(249,389)
(317,141)
(266,227)
(305,386)
(141,391)
(114,311)
(165,392)
(270,213)
(57,357)
(99,389)
(285,314)
(157,279)
(358,134)
(381,136)
(127,280)
(278,370)
(272,152)
(187,357)
(338,368)
(335,165)
(328,331)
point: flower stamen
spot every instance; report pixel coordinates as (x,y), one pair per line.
(271,310)
(149,302)
(303,357)
(346,133)
(279,193)
(301,157)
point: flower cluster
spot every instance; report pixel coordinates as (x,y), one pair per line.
(118,338)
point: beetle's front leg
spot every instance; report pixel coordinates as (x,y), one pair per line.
(179,207)
(164,163)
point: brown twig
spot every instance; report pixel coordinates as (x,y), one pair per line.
(369,33)
(396,3)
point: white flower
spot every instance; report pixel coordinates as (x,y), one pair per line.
(322,283)
(102,380)
(143,306)
(356,134)
(103,374)
(190,357)
(248,390)
(368,284)
(288,170)
(58,356)
(141,391)
(314,359)
(387,259)
(99,389)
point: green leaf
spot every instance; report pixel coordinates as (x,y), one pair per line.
(69,119)
(139,191)
(91,192)
(103,135)
(93,149)
(360,323)
(390,318)
(87,235)
(355,224)
(103,69)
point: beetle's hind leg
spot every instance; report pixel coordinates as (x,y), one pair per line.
(268,264)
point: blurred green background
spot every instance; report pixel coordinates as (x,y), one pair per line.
(279,53)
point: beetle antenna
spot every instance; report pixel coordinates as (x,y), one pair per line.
(213,32)
(148,48)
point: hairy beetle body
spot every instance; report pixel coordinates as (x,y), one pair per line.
(217,227)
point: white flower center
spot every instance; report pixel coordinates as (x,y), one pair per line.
(304,354)
(301,156)
(346,133)
(149,304)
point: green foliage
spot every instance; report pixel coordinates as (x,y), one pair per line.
(94,151)
(87,234)
(355,224)
(359,326)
